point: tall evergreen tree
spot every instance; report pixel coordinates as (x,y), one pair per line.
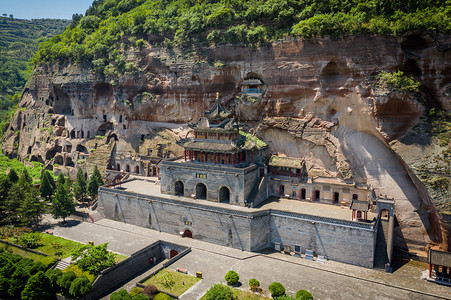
(18,192)
(26,177)
(13,177)
(47,188)
(94,182)
(31,209)
(5,185)
(80,186)
(62,204)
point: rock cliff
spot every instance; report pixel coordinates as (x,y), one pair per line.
(319,101)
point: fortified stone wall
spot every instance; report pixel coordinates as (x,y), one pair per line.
(341,242)
(346,241)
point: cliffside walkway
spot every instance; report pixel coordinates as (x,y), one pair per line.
(332,280)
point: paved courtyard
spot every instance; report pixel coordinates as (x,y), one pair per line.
(331,280)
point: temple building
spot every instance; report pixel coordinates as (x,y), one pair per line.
(221,163)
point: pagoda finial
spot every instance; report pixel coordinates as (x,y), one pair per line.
(217,95)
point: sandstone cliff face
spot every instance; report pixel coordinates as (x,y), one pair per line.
(338,121)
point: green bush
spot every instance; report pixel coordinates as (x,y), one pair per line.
(232,277)
(29,240)
(38,287)
(276,289)
(120,295)
(135,291)
(18,281)
(285,297)
(54,275)
(80,287)
(304,295)
(140,297)
(220,292)
(162,296)
(254,283)
(398,81)
(66,280)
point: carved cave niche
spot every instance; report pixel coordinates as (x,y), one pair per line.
(104,128)
(334,75)
(62,103)
(59,160)
(103,91)
(69,162)
(414,42)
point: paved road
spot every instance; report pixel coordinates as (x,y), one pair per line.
(331,280)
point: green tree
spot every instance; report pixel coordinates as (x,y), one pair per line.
(95,258)
(232,277)
(54,275)
(94,182)
(4,287)
(18,281)
(121,295)
(38,287)
(13,177)
(304,295)
(62,203)
(80,186)
(47,188)
(26,177)
(219,292)
(80,287)
(276,289)
(31,209)
(65,281)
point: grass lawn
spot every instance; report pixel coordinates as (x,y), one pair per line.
(244,295)
(22,253)
(181,282)
(48,242)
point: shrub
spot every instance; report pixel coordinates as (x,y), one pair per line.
(276,289)
(232,277)
(80,287)
(254,283)
(120,295)
(150,290)
(38,287)
(304,295)
(54,275)
(135,291)
(29,240)
(219,291)
(18,281)
(162,296)
(285,297)
(140,297)
(4,287)
(65,281)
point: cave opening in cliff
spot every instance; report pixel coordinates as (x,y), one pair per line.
(62,103)
(69,162)
(50,154)
(104,128)
(414,42)
(81,148)
(58,160)
(411,68)
(334,75)
(36,158)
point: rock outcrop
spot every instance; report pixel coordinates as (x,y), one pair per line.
(318,101)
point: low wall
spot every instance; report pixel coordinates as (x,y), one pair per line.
(117,275)
(341,240)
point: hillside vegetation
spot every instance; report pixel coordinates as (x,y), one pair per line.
(19,41)
(111,26)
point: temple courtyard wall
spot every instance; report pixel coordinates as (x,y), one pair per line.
(243,228)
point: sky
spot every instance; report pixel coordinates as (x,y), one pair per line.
(39,9)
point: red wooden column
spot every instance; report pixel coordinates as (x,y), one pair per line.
(241,156)
(185,155)
(219,136)
(228,158)
(201,156)
(214,158)
(430,270)
(195,135)
(252,156)
(233,159)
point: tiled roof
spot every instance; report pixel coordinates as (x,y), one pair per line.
(216,112)
(359,205)
(253,81)
(211,146)
(288,162)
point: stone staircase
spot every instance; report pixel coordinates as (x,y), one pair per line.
(62,265)
(380,255)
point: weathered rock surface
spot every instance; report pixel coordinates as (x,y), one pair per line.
(337,119)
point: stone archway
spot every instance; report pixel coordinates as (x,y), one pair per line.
(201,191)
(188,234)
(173,253)
(224,194)
(179,188)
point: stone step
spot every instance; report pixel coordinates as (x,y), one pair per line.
(62,265)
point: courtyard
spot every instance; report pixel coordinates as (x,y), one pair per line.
(331,280)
